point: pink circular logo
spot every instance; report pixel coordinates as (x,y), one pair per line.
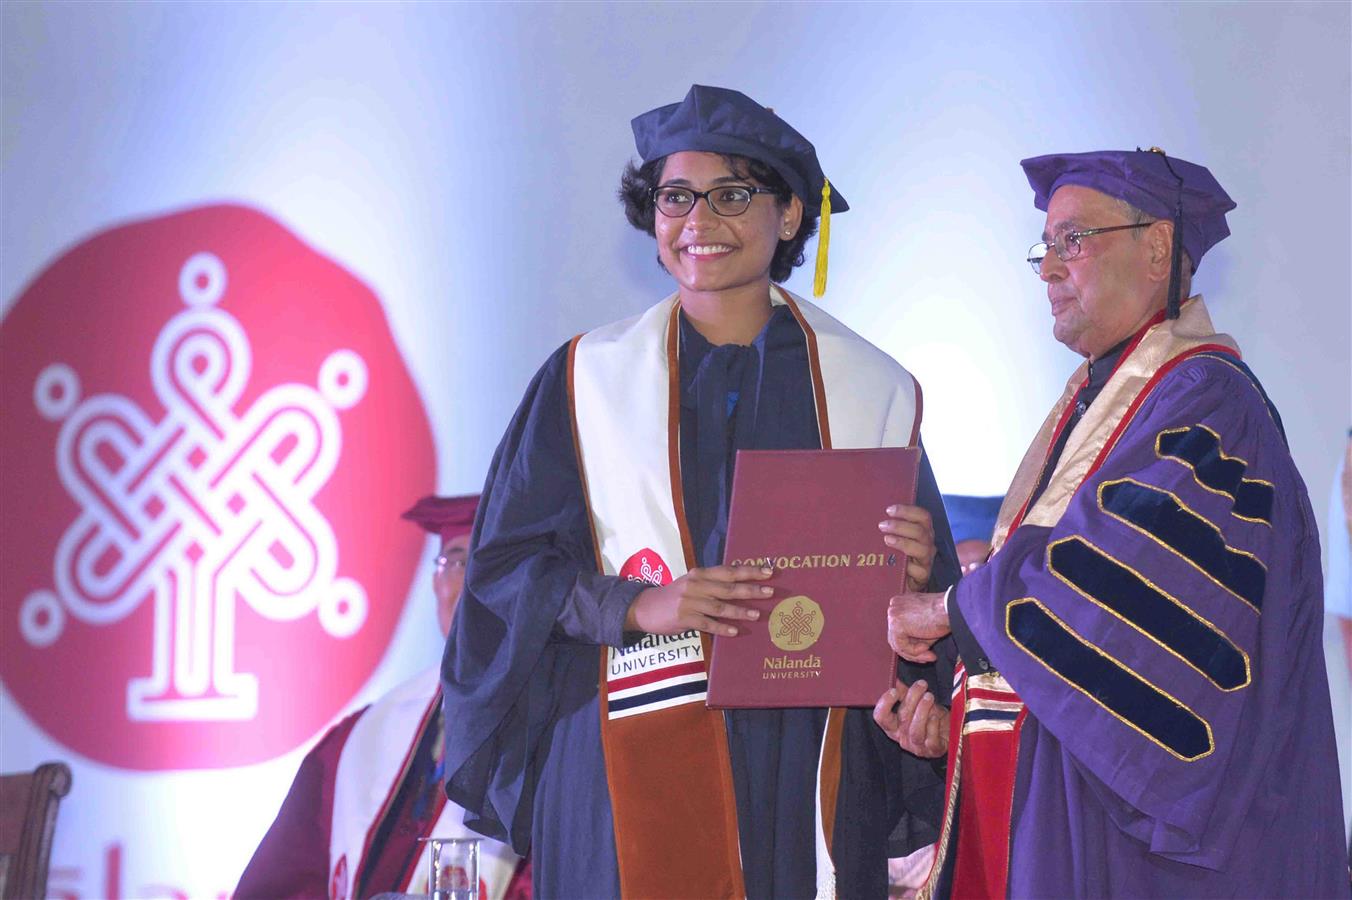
(209,436)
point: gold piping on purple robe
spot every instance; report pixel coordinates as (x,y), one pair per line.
(1164,518)
(1129,596)
(1199,448)
(1145,708)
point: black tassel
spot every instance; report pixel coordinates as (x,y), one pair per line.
(1174,301)
(1176,263)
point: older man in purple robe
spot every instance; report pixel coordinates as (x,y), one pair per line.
(1142,708)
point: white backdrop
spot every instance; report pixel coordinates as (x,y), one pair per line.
(462,159)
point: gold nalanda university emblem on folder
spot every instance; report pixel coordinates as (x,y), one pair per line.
(796,623)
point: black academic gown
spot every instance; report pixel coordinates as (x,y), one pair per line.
(520,670)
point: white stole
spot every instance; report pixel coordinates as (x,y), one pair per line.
(375,752)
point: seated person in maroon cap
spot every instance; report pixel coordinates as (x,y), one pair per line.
(1142,707)
(349,826)
(575,674)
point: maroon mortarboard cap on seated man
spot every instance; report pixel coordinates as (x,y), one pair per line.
(446,516)
(450,518)
(1159,185)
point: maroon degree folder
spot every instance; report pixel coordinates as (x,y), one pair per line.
(821,639)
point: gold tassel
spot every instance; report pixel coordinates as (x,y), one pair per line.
(823,241)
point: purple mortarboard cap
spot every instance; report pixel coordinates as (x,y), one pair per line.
(1141,178)
(719,120)
(445,516)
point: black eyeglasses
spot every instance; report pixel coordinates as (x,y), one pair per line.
(1067,245)
(730,200)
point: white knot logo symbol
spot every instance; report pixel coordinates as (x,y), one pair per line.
(649,574)
(199,510)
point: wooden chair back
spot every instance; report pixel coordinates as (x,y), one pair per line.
(28,802)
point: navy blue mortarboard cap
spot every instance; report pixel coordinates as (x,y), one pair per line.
(719,120)
(1143,179)
(972,518)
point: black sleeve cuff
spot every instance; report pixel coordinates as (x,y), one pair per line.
(973,657)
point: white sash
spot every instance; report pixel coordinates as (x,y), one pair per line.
(371,759)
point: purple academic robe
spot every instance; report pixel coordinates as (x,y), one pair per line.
(1165,636)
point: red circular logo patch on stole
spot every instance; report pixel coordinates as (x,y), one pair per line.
(647,566)
(209,436)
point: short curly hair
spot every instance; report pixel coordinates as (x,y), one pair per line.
(636,193)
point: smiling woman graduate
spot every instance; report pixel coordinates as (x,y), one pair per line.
(576,667)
